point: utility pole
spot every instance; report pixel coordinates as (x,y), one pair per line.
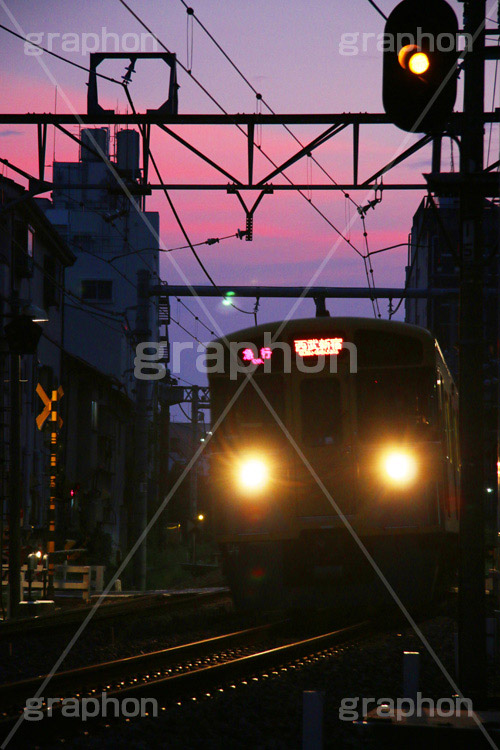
(472,636)
(193,483)
(22,336)
(15,494)
(140,514)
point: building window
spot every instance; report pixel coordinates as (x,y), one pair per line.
(97,290)
(23,238)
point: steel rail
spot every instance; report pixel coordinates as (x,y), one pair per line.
(139,671)
(150,604)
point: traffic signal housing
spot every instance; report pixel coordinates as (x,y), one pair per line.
(420,65)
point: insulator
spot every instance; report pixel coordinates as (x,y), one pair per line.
(249,236)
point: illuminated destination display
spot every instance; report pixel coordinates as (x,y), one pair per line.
(248,355)
(317,347)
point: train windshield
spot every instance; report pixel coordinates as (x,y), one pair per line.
(320,411)
(249,411)
(396,403)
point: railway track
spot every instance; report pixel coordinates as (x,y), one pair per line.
(181,671)
(150,605)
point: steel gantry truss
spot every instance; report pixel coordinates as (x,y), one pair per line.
(337,123)
(487,181)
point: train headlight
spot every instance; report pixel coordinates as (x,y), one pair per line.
(253,474)
(399,467)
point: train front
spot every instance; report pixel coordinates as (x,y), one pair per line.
(327,463)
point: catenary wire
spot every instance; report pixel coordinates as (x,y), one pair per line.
(367,264)
(177,217)
(59,57)
(219,106)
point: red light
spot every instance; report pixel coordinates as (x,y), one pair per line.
(317,347)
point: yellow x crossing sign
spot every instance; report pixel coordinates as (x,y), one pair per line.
(50,406)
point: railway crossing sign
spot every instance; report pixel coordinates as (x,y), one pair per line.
(50,406)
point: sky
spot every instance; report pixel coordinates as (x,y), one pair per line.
(296,53)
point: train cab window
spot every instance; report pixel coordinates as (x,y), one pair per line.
(248,412)
(320,411)
(396,402)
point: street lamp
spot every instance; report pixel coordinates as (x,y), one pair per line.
(23,334)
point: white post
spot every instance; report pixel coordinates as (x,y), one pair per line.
(411,674)
(312,720)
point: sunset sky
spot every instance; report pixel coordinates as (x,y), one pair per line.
(291,53)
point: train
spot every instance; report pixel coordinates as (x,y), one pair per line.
(334,467)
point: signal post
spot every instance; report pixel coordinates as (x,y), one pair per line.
(419,93)
(471,619)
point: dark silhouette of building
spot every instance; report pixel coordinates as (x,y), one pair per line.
(433,262)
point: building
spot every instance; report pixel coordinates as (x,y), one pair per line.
(33,261)
(433,262)
(112,238)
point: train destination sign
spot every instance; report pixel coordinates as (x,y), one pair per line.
(318,347)
(249,356)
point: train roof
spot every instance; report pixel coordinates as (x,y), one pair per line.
(324,324)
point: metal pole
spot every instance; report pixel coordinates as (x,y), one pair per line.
(51,544)
(193,484)
(290,292)
(143,333)
(15,495)
(312,720)
(472,635)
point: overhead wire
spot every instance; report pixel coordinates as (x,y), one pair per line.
(188,382)
(196,317)
(311,158)
(121,83)
(210,241)
(369,268)
(112,80)
(54,54)
(86,307)
(96,310)
(374,5)
(176,214)
(182,410)
(417,247)
(189,333)
(111,221)
(222,109)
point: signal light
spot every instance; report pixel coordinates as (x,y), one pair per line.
(413,59)
(420,65)
(74,490)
